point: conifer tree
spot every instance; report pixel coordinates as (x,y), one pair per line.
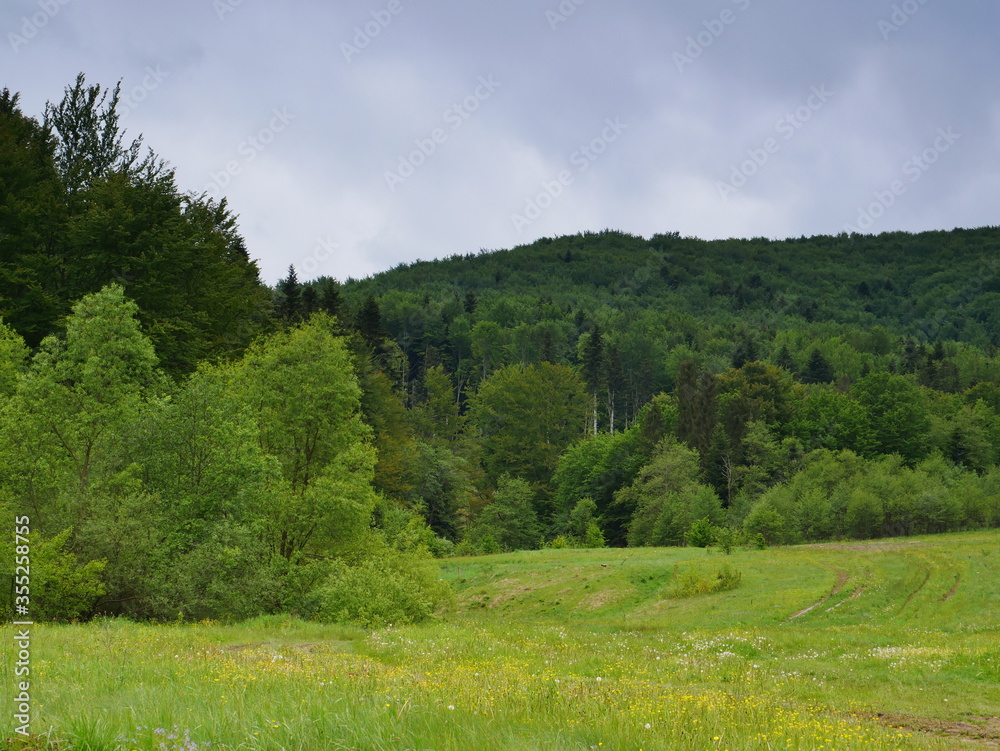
(818,369)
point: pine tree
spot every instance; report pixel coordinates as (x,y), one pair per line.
(818,369)
(745,351)
(369,323)
(614,375)
(330,301)
(310,300)
(784,359)
(290,306)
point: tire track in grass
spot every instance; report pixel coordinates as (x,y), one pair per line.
(914,593)
(854,595)
(954,588)
(841,580)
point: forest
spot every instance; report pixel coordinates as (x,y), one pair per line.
(191,443)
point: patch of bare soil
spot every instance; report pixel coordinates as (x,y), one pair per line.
(982,732)
(509,592)
(600,599)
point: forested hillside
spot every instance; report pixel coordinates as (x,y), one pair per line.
(188,442)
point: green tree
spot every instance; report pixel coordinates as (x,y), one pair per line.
(91,144)
(509,519)
(13,360)
(818,369)
(666,497)
(73,407)
(291,304)
(900,423)
(32,216)
(527,418)
(306,402)
(594,370)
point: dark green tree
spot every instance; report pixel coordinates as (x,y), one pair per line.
(817,370)
(290,306)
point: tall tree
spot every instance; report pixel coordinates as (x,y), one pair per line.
(900,422)
(527,418)
(818,369)
(74,408)
(95,213)
(592,361)
(306,402)
(290,307)
(91,143)
(369,323)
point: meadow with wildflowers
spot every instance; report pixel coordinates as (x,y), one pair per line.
(882,645)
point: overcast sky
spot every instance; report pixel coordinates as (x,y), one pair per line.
(350,137)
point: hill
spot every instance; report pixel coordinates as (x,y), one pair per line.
(862,301)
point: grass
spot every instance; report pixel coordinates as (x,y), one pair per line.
(886,645)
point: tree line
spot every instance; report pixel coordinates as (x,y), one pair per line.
(189,442)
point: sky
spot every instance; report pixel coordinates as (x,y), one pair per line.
(354,136)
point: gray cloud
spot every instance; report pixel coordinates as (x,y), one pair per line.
(368,87)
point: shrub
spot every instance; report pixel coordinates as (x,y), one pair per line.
(594,538)
(381,590)
(694,582)
(725,538)
(700,534)
(62,588)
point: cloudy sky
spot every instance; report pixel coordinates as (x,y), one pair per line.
(354,136)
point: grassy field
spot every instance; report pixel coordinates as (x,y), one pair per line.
(883,645)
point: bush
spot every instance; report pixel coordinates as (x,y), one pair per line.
(725,538)
(382,590)
(701,534)
(766,522)
(594,538)
(693,582)
(61,588)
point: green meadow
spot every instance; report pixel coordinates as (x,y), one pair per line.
(890,644)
